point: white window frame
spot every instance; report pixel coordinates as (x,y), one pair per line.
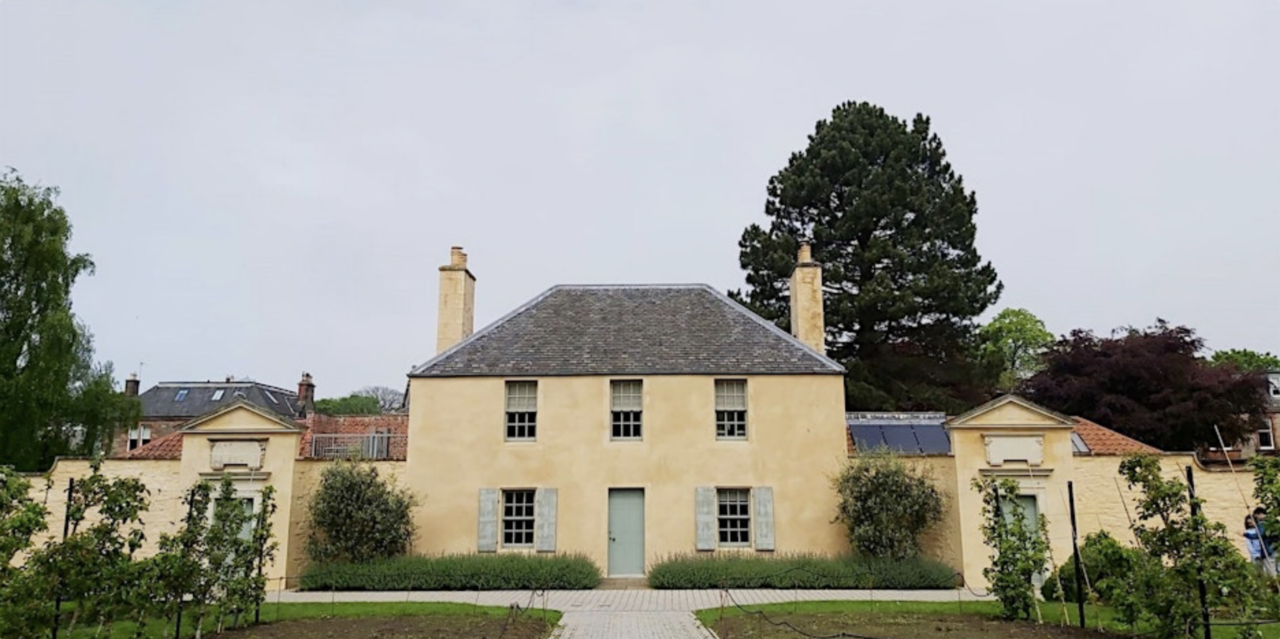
(520,422)
(139,436)
(731,409)
(217,395)
(722,530)
(626,409)
(1270,435)
(506,517)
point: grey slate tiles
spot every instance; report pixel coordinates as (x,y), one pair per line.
(629,330)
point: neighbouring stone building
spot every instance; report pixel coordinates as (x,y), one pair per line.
(629,423)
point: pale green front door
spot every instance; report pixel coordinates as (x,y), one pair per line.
(626,532)
(1031,510)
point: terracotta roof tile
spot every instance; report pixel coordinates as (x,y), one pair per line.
(166,447)
(1104,441)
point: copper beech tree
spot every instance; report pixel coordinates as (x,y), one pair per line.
(1152,385)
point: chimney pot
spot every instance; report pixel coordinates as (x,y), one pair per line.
(131,385)
(457,257)
(806,254)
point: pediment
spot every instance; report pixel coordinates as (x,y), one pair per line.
(240,417)
(1011,411)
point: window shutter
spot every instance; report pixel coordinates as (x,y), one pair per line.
(763,516)
(544,523)
(488,526)
(705,514)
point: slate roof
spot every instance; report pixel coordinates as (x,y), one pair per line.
(629,330)
(161,401)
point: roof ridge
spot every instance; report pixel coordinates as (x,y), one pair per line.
(687,285)
(210,384)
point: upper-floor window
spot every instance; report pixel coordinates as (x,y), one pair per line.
(522,410)
(731,409)
(217,395)
(139,436)
(517,518)
(625,409)
(182,394)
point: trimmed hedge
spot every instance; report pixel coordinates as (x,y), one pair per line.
(458,572)
(801,571)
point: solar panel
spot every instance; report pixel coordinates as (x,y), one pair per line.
(900,439)
(1078,445)
(866,436)
(933,439)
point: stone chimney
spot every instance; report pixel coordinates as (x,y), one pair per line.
(131,385)
(457,310)
(807,322)
(306,393)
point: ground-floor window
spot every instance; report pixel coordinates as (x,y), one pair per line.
(733,508)
(517,518)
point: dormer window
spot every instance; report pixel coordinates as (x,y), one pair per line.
(217,395)
(182,394)
(139,436)
(270,396)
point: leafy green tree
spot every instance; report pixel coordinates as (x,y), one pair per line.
(885,505)
(1019,548)
(1246,360)
(893,226)
(353,404)
(1108,567)
(357,516)
(56,400)
(21,519)
(181,575)
(1015,340)
(1151,385)
(1184,546)
(390,400)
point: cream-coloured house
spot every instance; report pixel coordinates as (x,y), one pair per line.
(626,423)
(629,423)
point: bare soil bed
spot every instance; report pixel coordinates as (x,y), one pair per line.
(424,627)
(894,626)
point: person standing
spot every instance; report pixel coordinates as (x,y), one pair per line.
(1261,542)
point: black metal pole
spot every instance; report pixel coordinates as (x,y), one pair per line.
(66,530)
(1075,551)
(1204,595)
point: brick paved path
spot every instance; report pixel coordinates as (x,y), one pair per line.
(628,614)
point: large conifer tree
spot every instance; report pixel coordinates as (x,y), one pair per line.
(893,227)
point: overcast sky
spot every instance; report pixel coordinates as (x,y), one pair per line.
(268,188)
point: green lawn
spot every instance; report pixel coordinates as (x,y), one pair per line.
(272,612)
(828,611)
